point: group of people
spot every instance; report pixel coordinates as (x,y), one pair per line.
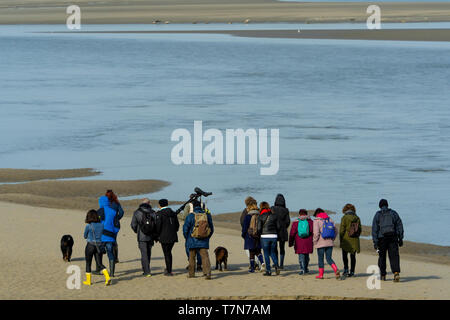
(151,226)
(265,230)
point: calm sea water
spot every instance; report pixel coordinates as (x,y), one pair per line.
(358,120)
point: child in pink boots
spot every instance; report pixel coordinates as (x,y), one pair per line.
(325,233)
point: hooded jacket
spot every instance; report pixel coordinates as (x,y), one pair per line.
(250,243)
(301,245)
(268,223)
(318,241)
(110,218)
(284,218)
(167,225)
(398,225)
(137,219)
(347,243)
(188,227)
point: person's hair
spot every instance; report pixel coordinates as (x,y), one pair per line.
(303,212)
(92,216)
(349,207)
(252,206)
(163,202)
(196,203)
(111,196)
(249,200)
(318,210)
(146,200)
(264,205)
(383,203)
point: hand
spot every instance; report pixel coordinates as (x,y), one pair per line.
(375,247)
(400,243)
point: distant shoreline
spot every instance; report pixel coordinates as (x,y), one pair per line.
(216,11)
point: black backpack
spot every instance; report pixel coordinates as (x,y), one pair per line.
(148,223)
(386,222)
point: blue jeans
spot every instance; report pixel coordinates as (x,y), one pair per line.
(110,250)
(199,258)
(303,260)
(269,246)
(327,251)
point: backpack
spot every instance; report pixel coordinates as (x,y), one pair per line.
(303,228)
(201,226)
(354,231)
(253,227)
(148,224)
(328,231)
(386,223)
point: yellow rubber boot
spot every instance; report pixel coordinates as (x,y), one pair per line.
(107,278)
(88,279)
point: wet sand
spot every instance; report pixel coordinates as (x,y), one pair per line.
(22,175)
(214,11)
(33,268)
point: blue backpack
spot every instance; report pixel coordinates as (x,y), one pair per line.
(328,229)
(303,228)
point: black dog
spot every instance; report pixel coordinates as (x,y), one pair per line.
(221,257)
(66,247)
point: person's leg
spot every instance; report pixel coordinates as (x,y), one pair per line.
(199,261)
(265,246)
(306,262)
(97,264)
(273,254)
(330,261)
(167,250)
(320,254)
(382,257)
(144,257)
(282,253)
(352,263)
(206,263)
(394,258)
(302,263)
(116,252)
(192,254)
(110,252)
(88,253)
(252,253)
(345,260)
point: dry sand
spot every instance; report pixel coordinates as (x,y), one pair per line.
(212,11)
(32,268)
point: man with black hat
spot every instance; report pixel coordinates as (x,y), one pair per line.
(387,236)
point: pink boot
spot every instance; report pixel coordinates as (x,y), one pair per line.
(320,276)
(336,271)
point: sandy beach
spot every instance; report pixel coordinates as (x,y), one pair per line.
(214,11)
(32,268)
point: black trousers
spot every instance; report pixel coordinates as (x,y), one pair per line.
(167,250)
(146,254)
(389,245)
(89,252)
(352,260)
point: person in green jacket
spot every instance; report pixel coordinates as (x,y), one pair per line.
(349,233)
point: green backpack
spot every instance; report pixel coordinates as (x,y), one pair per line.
(303,228)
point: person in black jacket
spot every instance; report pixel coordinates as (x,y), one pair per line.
(387,235)
(284,218)
(167,226)
(268,228)
(145,242)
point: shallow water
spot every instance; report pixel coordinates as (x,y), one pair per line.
(358,120)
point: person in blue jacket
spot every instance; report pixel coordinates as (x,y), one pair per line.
(110,220)
(196,245)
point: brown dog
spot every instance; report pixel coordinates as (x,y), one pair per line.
(221,257)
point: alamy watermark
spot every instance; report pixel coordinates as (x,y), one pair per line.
(373,281)
(374,20)
(220,152)
(73,21)
(74,280)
